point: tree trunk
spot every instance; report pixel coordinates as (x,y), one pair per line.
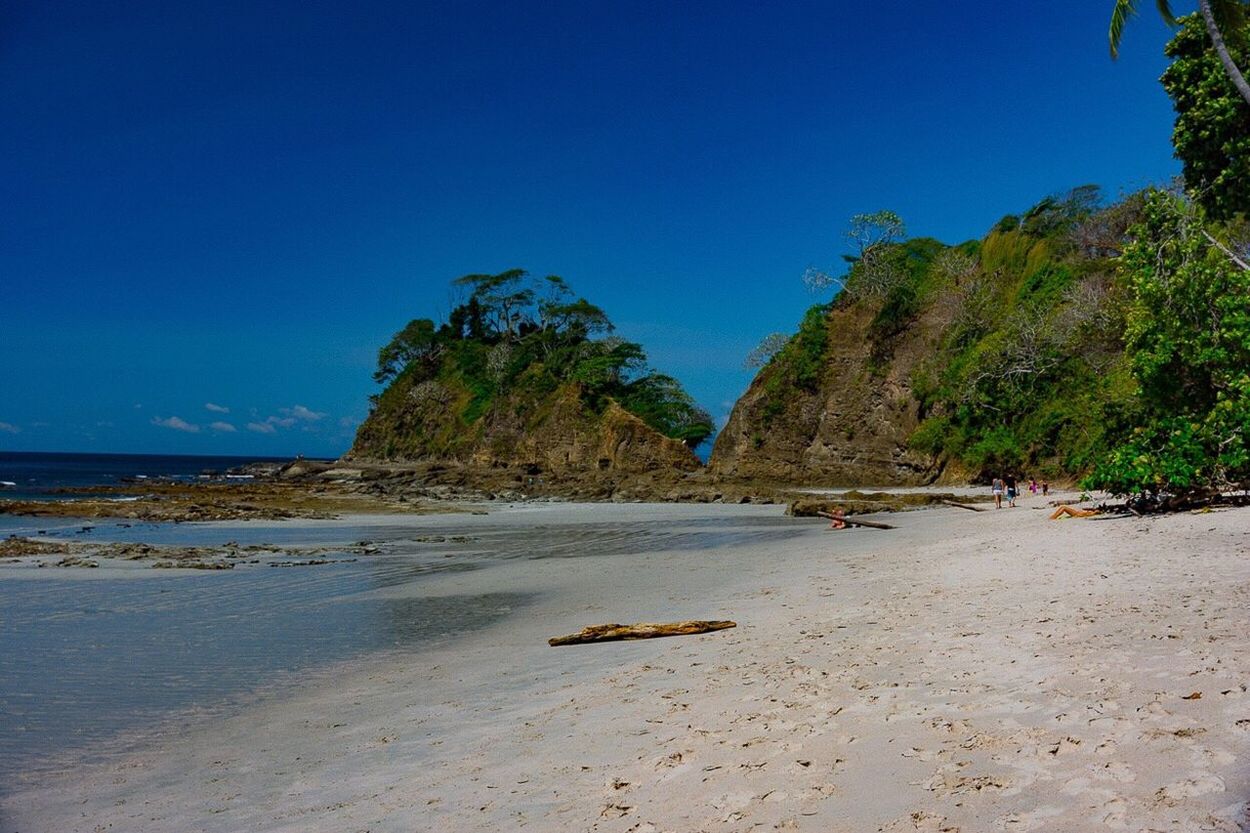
(1217,40)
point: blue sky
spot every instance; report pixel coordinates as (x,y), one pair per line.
(235,204)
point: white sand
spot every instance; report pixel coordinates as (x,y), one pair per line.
(966,672)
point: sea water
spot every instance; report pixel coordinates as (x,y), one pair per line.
(88,657)
(40,475)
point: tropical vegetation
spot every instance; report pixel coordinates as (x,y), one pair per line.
(515,342)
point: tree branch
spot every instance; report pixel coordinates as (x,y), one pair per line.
(1231,255)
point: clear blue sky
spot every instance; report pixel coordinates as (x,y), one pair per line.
(236,203)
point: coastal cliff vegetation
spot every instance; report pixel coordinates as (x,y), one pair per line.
(526,371)
(1081,338)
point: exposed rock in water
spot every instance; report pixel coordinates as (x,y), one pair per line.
(224,557)
(15,546)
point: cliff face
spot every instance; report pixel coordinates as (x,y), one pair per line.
(850,427)
(557,433)
(946,363)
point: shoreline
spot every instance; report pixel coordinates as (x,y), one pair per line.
(963,672)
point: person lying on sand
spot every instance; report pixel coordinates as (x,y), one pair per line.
(1072,512)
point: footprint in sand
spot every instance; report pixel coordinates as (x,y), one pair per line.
(1115,813)
(1032,820)
(1117,771)
(1200,784)
(922,822)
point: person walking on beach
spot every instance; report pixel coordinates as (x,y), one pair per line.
(1011,490)
(997,487)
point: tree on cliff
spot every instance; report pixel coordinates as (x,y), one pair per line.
(418,342)
(524,337)
(874,265)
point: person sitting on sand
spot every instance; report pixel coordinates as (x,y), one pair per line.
(1067,511)
(997,487)
(838,520)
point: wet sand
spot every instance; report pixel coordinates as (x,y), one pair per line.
(964,672)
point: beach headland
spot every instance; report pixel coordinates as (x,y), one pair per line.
(962,672)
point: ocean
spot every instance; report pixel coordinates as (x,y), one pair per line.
(40,475)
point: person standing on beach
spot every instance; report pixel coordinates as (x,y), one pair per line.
(1011,490)
(997,486)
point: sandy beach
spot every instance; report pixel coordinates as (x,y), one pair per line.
(964,672)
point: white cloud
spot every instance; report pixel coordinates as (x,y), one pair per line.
(9,428)
(289,418)
(223,426)
(177,424)
(300,412)
(348,422)
(217,409)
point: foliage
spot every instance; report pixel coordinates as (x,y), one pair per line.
(1212,131)
(1023,330)
(763,353)
(1188,339)
(801,361)
(515,342)
(875,268)
(416,344)
(870,232)
(1125,9)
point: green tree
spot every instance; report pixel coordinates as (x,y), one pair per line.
(1212,131)
(417,342)
(659,400)
(1188,341)
(505,299)
(1229,14)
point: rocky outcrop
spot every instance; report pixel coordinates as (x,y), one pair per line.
(559,433)
(849,428)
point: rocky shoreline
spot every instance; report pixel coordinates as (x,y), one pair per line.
(41,552)
(330,489)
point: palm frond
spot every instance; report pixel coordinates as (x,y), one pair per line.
(1229,14)
(1165,12)
(1124,9)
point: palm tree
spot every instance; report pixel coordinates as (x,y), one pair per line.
(1231,13)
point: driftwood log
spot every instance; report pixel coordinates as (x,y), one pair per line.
(853,521)
(642,630)
(969,507)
